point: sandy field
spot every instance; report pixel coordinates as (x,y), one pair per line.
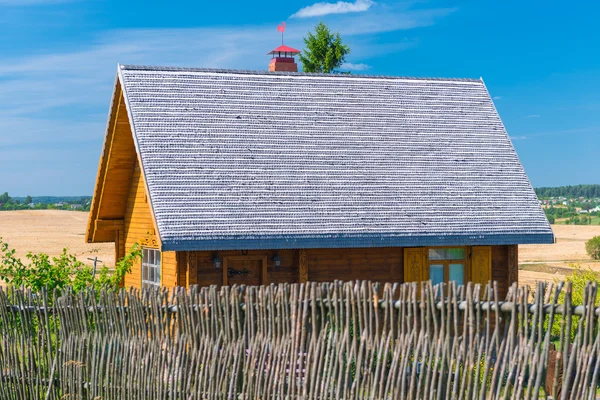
(49,231)
(551,261)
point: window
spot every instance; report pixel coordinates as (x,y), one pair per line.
(447,264)
(150,268)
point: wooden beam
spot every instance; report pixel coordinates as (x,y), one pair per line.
(303,266)
(513,264)
(109,224)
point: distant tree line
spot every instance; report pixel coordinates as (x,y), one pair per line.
(76,203)
(587,191)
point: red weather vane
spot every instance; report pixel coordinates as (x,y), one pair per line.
(281,28)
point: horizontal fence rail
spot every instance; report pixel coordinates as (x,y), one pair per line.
(501,306)
(340,340)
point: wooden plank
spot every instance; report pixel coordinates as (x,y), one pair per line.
(415,267)
(109,224)
(302,266)
(513,264)
(500,269)
(481,264)
(139,228)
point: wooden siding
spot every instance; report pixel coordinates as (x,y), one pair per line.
(324,265)
(377,264)
(480,270)
(201,270)
(381,264)
(139,228)
(500,268)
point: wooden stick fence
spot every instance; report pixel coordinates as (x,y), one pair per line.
(353,340)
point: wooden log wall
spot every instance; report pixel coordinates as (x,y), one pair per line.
(139,228)
(354,340)
(318,265)
(325,265)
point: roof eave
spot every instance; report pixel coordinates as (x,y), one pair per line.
(102,165)
(354,241)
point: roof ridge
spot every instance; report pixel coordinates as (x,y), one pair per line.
(133,67)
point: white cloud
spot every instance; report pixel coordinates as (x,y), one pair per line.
(61,99)
(518,137)
(341,7)
(31,2)
(497,97)
(380,22)
(355,67)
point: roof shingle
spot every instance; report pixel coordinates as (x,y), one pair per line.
(250,159)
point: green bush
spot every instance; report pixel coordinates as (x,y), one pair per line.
(579,279)
(42,271)
(592,247)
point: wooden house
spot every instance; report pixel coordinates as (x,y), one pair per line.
(258,177)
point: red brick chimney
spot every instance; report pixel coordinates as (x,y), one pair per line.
(283,59)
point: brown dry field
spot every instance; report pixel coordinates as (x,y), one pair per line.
(48,231)
(548,262)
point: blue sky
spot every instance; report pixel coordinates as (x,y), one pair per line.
(58,60)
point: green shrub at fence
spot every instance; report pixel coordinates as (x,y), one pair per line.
(41,271)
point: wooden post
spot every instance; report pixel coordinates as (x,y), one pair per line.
(513,264)
(192,269)
(303,266)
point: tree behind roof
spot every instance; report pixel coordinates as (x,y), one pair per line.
(324,51)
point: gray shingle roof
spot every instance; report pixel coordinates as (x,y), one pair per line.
(252,159)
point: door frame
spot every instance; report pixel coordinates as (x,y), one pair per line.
(262,271)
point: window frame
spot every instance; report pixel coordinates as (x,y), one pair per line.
(146,266)
(446,263)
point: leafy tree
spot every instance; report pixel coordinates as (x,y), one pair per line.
(592,247)
(5,198)
(324,51)
(28,200)
(588,191)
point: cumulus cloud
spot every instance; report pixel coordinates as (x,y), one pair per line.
(341,7)
(355,67)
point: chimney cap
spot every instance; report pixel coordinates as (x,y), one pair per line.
(284,49)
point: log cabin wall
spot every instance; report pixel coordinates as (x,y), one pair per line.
(325,265)
(139,228)
(500,268)
(201,270)
(376,264)
(505,268)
